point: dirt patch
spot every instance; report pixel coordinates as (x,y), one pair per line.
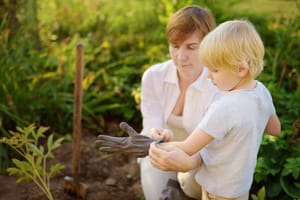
(107,176)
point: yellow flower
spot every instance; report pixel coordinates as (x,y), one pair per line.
(105,45)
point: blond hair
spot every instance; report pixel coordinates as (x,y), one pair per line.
(186,21)
(233,44)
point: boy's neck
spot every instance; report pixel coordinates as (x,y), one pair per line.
(246,83)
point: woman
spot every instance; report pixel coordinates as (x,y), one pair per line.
(175,95)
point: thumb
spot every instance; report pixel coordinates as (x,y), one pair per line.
(128,129)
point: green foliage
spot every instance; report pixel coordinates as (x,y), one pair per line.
(121,40)
(34,166)
(277,164)
(291,176)
(290,186)
(261,195)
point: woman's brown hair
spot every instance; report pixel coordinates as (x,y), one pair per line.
(186,21)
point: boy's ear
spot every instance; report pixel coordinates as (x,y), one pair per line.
(243,70)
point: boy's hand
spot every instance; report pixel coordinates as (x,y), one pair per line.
(136,144)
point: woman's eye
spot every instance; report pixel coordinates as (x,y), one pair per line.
(174,46)
(193,47)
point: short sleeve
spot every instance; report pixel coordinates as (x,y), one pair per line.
(217,120)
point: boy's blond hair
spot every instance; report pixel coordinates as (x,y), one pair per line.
(231,45)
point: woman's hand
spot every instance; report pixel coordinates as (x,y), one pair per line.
(156,134)
(171,158)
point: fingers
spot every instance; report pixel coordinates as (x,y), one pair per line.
(107,138)
(108,144)
(109,150)
(136,152)
(128,129)
(138,147)
(155,133)
(155,151)
(167,134)
(160,140)
(156,156)
(173,159)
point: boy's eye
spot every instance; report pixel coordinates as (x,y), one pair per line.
(213,70)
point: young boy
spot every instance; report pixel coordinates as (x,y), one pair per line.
(231,131)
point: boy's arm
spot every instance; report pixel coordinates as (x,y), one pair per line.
(194,143)
(273,126)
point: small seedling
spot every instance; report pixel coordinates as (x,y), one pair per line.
(34,165)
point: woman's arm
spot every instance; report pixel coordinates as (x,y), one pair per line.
(173,159)
(151,109)
(273,126)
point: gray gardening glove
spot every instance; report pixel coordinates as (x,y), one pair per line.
(136,144)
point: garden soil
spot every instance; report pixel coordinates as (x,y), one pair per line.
(109,177)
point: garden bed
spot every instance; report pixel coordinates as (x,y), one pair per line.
(107,176)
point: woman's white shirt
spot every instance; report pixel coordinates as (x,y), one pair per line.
(160,91)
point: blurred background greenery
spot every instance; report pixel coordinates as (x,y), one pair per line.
(121,39)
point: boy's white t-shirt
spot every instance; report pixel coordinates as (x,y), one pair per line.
(237,122)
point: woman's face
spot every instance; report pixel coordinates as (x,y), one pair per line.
(186,57)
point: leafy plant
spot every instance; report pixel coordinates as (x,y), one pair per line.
(261,195)
(26,143)
(290,177)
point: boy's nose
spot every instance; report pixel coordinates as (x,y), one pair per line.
(209,75)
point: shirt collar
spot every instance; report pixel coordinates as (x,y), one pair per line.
(171,77)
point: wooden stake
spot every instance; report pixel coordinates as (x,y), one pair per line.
(77,111)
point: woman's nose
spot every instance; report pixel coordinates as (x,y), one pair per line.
(182,54)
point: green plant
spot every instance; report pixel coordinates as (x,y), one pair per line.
(34,166)
(261,195)
(290,177)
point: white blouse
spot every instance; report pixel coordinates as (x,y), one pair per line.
(160,91)
(174,123)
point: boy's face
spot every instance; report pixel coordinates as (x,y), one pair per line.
(185,55)
(225,79)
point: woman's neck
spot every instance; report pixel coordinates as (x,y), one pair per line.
(188,79)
